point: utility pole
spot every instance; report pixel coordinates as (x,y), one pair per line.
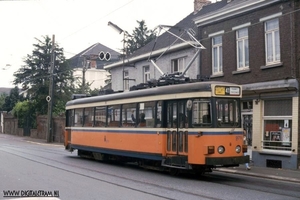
(123,58)
(85,67)
(125,34)
(50,97)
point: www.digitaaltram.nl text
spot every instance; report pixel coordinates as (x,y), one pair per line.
(30,193)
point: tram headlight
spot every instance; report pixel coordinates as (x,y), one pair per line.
(238,149)
(221,149)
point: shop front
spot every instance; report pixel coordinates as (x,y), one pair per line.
(274,125)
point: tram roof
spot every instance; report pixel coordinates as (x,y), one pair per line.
(155,91)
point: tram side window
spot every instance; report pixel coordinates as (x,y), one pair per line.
(100,116)
(114,116)
(70,118)
(172,115)
(88,117)
(158,113)
(78,118)
(182,115)
(129,117)
(201,113)
(146,114)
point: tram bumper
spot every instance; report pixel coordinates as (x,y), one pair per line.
(227,162)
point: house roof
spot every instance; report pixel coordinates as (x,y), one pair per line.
(233,8)
(95,49)
(164,41)
(5,90)
(167,39)
(92,52)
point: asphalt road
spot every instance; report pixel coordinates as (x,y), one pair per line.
(28,167)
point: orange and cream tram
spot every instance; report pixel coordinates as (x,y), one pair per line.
(192,126)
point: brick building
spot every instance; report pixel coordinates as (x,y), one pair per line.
(257,44)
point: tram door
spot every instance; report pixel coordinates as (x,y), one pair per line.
(177,128)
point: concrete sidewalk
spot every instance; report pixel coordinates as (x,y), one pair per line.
(265,172)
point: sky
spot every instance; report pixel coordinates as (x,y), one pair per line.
(76,24)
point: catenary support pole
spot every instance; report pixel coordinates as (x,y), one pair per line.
(50,97)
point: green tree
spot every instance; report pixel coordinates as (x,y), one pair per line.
(82,87)
(35,75)
(94,92)
(140,36)
(24,111)
(11,100)
(2,100)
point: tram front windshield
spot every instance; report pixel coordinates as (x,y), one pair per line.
(227,113)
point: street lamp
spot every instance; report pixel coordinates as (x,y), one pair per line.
(114,26)
(125,33)
(85,67)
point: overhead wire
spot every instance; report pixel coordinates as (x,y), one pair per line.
(87,25)
(45,76)
(98,19)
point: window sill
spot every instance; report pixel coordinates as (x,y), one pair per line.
(217,75)
(272,66)
(241,71)
(276,152)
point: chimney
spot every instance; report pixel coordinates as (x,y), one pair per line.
(198,4)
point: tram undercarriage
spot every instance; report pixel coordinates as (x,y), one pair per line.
(165,165)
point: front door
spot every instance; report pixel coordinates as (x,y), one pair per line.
(177,128)
(247,119)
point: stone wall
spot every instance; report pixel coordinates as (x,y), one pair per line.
(10,126)
(58,129)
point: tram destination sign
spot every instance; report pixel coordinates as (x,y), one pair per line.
(227,90)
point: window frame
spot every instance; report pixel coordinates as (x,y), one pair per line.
(126,80)
(277,146)
(88,117)
(275,43)
(146,73)
(202,112)
(101,116)
(78,117)
(245,50)
(180,64)
(218,57)
(280,145)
